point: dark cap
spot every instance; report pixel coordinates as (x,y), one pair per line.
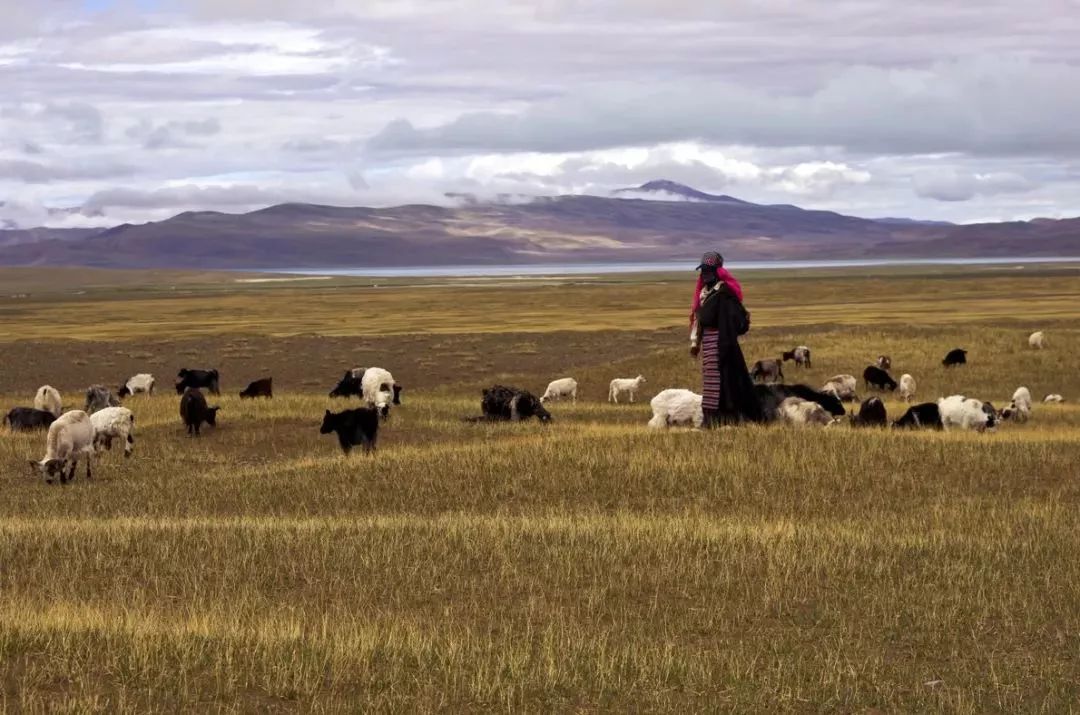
(711,259)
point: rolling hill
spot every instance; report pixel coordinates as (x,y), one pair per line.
(623,227)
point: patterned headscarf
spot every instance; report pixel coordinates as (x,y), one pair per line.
(712,259)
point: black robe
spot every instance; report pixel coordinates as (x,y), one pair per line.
(739,402)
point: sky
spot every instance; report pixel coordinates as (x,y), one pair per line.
(134,110)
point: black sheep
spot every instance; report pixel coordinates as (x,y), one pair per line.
(194,412)
(871,414)
(926,415)
(876,377)
(510,403)
(28,418)
(955,357)
(353,427)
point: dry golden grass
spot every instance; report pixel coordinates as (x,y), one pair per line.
(588,565)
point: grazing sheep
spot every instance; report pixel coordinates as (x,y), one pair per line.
(510,403)
(1019,409)
(676,407)
(113,423)
(98,397)
(47,399)
(1054,399)
(71,438)
(1037,341)
(624,386)
(353,427)
(143,382)
(965,413)
(923,416)
(908,387)
(842,387)
(558,389)
(767,371)
(800,412)
(800,355)
(877,378)
(259,388)
(872,413)
(884,362)
(771,397)
(209,379)
(28,418)
(194,411)
(955,357)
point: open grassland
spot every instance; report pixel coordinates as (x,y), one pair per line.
(589,565)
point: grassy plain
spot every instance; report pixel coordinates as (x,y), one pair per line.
(587,566)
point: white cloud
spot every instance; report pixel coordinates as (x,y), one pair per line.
(952,185)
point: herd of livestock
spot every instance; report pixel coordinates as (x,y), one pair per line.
(77,435)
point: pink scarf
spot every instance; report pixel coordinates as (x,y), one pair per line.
(725,277)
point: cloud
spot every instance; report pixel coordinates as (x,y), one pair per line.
(172,134)
(951,185)
(33,172)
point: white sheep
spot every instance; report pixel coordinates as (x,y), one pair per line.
(143,382)
(842,387)
(800,412)
(676,407)
(113,423)
(71,438)
(624,386)
(965,413)
(558,389)
(1019,409)
(1053,399)
(48,400)
(377,386)
(1037,341)
(907,387)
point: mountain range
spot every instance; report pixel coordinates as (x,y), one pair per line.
(659,220)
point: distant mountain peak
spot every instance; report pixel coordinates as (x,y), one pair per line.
(666,186)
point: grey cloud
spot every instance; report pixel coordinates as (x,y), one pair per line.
(952,185)
(172,134)
(32,172)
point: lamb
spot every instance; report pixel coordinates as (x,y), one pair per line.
(624,386)
(194,411)
(47,399)
(842,387)
(259,388)
(800,412)
(800,355)
(884,362)
(353,427)
(877,378)
(500,402)
(1037,341)
(71,438)
(113,423)
(965,413)
(98,397)
(955,357)
(772,396)
(143,382)
(28,418)
(558,389)
(676,407)
(926,415)
(907,387)
(767,371)
(872,413)
(1053,399)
